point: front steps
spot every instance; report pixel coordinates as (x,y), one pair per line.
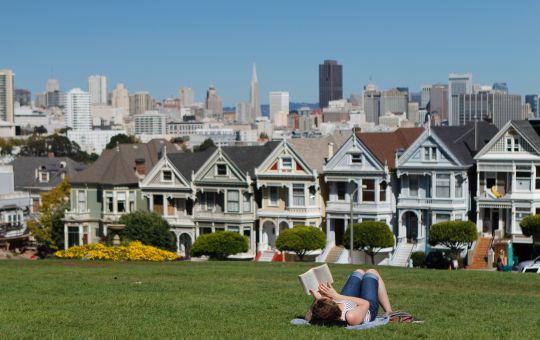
(480,254)
(402,255)
(333,254)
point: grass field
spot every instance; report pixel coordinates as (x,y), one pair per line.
(241,299)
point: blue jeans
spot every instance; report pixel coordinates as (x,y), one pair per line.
(364,286)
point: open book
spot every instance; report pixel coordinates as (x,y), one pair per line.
(310,280)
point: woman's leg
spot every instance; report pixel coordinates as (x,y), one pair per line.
(382,294)
(353,286)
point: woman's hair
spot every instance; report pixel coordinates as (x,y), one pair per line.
(325,312)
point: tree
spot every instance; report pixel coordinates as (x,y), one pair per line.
(370,237)
(48,228)
(530,226)
(263,135)
(208,143)
(455,235)
(59,145)
(121,139)
(219,245)
(40,130)
(300,240)
(149,228)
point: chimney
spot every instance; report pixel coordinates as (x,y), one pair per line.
(139,166)
(330,150)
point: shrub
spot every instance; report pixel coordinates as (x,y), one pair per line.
(300,240)
(438,260)
(370,237)
(419,259)
(454,235)
(134,251)
(149,228)
(219,245)
(530,226)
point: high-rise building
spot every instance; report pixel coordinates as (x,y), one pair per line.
(394,100)
(372,103)
(438,101)
(532,100)
(213,102)
(150,123)
(52,85)
(140,102)
(7,105)
(425,96)
(413,113)
(97,87)
(41,100)
(55,99)
(23,97)
(330,82)
(500,86)
(120,98)
(243,112)
(457,84)
(254,95)
(187,96)
(496,107)
(279,107)
(77,109)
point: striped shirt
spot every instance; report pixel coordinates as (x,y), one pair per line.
(349,305)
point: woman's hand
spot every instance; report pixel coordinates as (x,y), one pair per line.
(316,295)
(328,291)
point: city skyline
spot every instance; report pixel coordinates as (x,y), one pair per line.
(415,57)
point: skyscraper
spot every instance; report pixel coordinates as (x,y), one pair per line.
(213,102)
(500,86)
(23,97)
(7,105)
(52,85)
(140,102)
(438,101)
(330,82)
(457,84)
(493,106)
(97,87)
(372,103)
(243,112)
(77,109)
(120,97)
(394,100)
(187,96)
(254,95)
(279,107)
(425,96)
(532,100)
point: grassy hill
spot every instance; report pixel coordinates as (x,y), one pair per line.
(241,299)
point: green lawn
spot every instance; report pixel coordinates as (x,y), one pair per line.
(241,299)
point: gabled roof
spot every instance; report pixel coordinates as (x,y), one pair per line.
(466,140)
(384,145)
(315,150)
(247,158)
(117,166)
(24,170)
(530,130)
(188,162)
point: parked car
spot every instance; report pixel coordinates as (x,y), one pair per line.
(534,268)
(528,263)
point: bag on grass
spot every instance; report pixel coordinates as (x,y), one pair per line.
(401,317)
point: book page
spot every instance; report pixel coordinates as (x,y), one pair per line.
(309,281)
(323,274)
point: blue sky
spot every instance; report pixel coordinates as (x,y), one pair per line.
(161,45)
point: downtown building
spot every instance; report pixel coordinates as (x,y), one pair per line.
(7,105)
(330,82)
(97,87)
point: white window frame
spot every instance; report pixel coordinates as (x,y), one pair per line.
(230,201)
(271,201)
(302,198)
(246,202)
(41,180)
(356,158)
(80,207)
(282,163)
(225,167)
(163,176)
(430,153)
(437,186)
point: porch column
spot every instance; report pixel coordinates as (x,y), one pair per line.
(513,220)
(432,188)
(479,219)
(151,201)
(65,236)
(452,185)
(329,238)
(80,235)
(165,205)
(500,221)
(260,234)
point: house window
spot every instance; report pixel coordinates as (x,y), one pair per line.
(509,144)
(81,200)
(273,194)
(413,185)
(523,179)
(312,195)
(166,176)
(209,199)
(43,176)
(430,153)
(286,163)
(109,202)
(233,201)
(132,201)
(516,144)
(521,213)
(73,236)
(221,169)
(247,202)
(368,190)
(121,202)
(537,182)
(234,229)
(442,218)
(382,191)
(341,190)
(356,158)
(458,189)
(442,186)
(299,197)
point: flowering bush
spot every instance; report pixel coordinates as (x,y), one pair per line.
(134,251)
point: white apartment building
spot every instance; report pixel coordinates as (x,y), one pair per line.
(279,107)
(97,87)
(150,123)
(120,97)
(77,110)
(93,141)
(7,106)
(183,128)
(187,96)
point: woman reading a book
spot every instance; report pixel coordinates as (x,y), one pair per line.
(358,302)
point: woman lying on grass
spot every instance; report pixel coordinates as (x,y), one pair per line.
(358,302)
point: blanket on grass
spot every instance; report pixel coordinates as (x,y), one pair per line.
(379,321)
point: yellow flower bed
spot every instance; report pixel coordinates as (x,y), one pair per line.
(135,251)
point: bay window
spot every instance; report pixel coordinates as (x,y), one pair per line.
(382,191)
(413,185)
(109,201)
(233,201)
(523,178)
(121,201)
(341,190)
(299,196)
(442,185)
(273,196)
(368,190)
(81,200)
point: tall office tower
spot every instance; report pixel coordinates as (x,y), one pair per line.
(213,102)
(97,87)
(77,109)
(187,96)
(493,106)
(438,102)
(330,82)
(425,96)
(457,84)
(55,99)
(254,95)
(415,97)
(532,100)
(140,102)
(243,113)
(41,100)
(120,98)
(500,86)
(279,107)
(356,100)
(394,100)
(7,105)
(413,113)
(23,97)
(52,85)
(372,103)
